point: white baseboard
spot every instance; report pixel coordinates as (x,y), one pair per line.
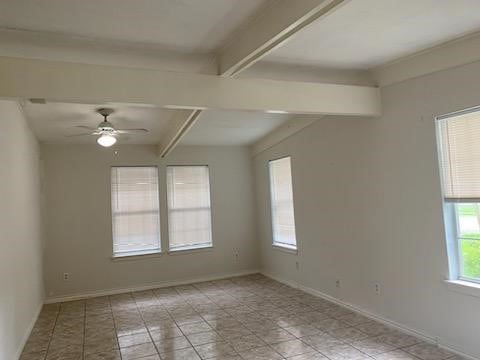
(149,286)
(29,329)
(381,319)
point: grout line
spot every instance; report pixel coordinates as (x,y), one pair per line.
(193,347)
(146,327)
(114,326)
(53,331)
(84,326)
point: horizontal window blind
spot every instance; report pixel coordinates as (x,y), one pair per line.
(459,152)
(189,213)
(283,218)
(135,210)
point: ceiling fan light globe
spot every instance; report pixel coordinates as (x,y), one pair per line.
(106,140)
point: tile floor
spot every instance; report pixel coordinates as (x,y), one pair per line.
(250,317)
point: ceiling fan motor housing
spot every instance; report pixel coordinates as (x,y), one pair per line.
(106,126)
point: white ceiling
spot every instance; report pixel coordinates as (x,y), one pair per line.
(361,34)
(216,127)
(187,25)
(51,122)
(368,33)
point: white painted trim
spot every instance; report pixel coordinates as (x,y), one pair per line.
(381,319)
(286,249)
(155,285)
(290,128)
(448,55)
(29,329)
(464,287)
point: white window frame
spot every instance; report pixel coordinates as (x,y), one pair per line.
(281,245)
(451,216)
(141,253)
(169,211)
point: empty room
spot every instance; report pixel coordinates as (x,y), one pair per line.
(240,179)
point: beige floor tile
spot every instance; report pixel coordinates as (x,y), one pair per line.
(275,336)
(204,338)
(395,355)
(251,316)
(292,348)
(398,339)
(138,351)
(165,332)
(170,344)
(372,346)
(33,356)
(217,349)
(262,353)
(193,328)
(134,339)
(426,351)
(246,343)
(181,354)
(308,356)
(348,335)
(105,355)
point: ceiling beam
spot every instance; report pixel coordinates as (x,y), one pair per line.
(271,28)
(182,121)
(71,82)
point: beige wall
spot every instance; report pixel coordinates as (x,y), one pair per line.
(79,218)
(368,209)
(21,280)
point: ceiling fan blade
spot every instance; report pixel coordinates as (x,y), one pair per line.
(73,135)
(129,131)
(86,127)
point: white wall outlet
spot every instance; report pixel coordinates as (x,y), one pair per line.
(66,276)
(337,283)
(297,265)
(377,288)
(235,254)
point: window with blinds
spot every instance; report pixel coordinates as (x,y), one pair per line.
(189,213)
(281,195)
(135,210)
(458,137)
(459,148)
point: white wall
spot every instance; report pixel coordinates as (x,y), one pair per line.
(79,218)
(21,279)
(368,209)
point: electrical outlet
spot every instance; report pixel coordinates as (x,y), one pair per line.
(297,265)
(235,254)
(377,288)
(66,276)
(337,283)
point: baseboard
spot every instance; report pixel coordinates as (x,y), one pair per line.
(149,286)
(381,319)
(26,335)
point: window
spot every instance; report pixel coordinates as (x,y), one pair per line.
(189,219)
(135,211)
(459,155)
(283,219)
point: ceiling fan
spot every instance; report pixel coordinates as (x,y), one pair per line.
(107,134)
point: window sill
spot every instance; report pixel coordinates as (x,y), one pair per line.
(136,256)
(190,250)
(464,287)
(285,248)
